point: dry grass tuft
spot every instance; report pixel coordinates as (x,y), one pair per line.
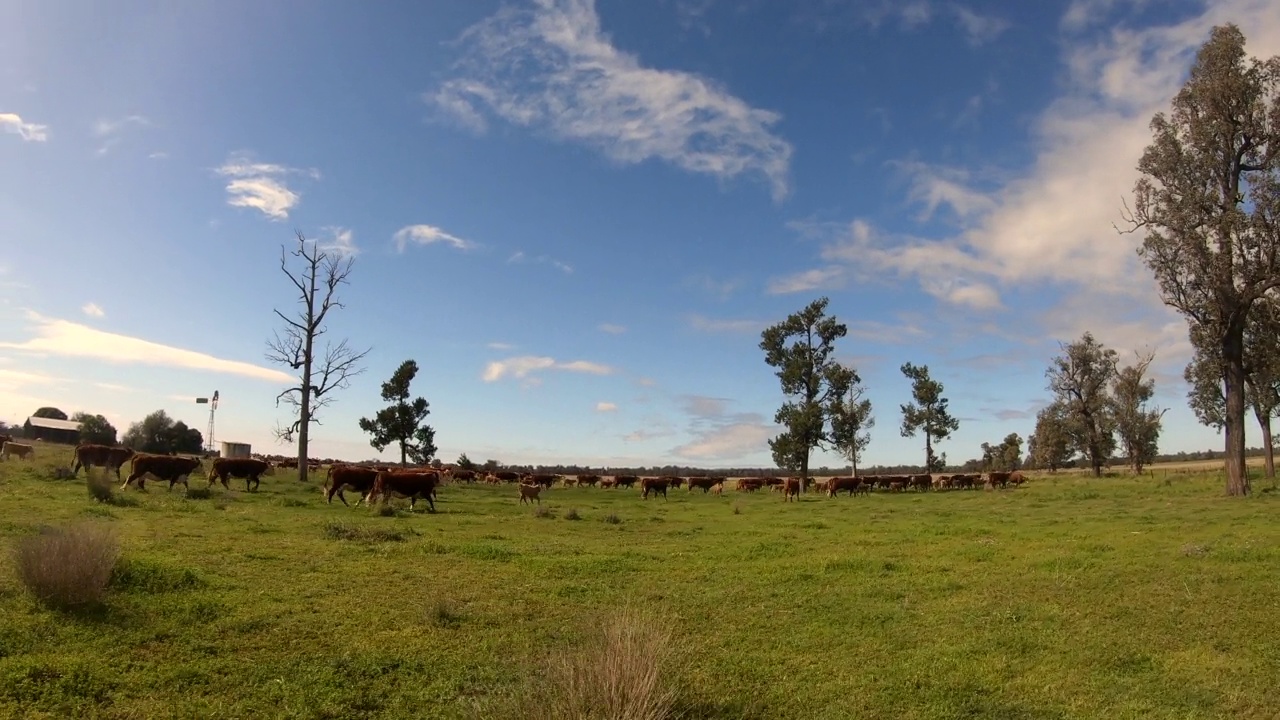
(737,507)
(621,672)
(572,514)
(613,519)
(543,511)
(68,568)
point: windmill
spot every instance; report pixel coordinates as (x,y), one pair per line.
(213,407)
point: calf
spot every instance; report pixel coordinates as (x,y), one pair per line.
(11,448)
(89,454)
(402,483)
(655,486)
(355,477)
(529,493)
(248,468)
(173,468)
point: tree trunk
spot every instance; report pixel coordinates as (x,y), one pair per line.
(928,452)
(1233,382)
(804,473)
(402,454)
(1264,422)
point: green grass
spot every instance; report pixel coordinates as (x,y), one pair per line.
(1068,598)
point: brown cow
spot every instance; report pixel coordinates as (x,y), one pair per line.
(406,483)
(173,468)
(608,482)
(546,480)
(468,476)
(248,468)
(654,485)
(705,483)
(852,485)
(791,489)
(749,484)
(22,450)
(626,480)
(530,491)
(355,477)
(921,482)
(588,480)
(506,476)
(89,454)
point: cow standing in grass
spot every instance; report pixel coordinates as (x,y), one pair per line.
(791,489)
(356,477)
(248,468)
(409,484)
(530,493)
(11,448)
(175,469)
(655,486)
(89,454)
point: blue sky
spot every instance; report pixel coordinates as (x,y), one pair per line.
(577,216)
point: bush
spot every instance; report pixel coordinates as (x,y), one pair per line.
(199,493)
(612,518)
(623,670)
(542,511)
(70,567)
(100,489)
(737,508)
(572,514)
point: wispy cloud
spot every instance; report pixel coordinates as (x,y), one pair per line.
(606,407)
(825,278)
(718,433)
(519,257)
(721,289)
(110,131)
(340,241)
(977,28)
(500,346)
(261,186)
(158,155)
(706,324)
(428,235)
(68,339)
(14,380)
(552,67)
(611,329)
(30,132)
(92,310)
(526,365)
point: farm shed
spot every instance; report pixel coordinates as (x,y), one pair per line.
(50,430)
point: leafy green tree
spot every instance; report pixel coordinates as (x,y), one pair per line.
(491,465)
(1137,425)
(851,420)
(1079,380)
(402,421)
(464,462)
(1005,457)
(95,429)
(801,348)
(928,413)
(158,433)
(51,413)
(1209,202)
(1050,445)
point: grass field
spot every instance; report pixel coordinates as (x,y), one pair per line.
(1067,598)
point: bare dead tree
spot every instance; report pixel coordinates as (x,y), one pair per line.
(317,280)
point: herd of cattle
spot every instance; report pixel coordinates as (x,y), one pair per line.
(373,482)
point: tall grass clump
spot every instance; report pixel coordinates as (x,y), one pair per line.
(70,567)
(622,671)
(99,488)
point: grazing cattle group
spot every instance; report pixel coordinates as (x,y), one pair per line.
(375,482)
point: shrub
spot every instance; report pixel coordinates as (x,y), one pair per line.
(199,493)
(572,514)
(386,510)
(67,568)
(737,507)
(612,518)
(622,670)
(99,489)
(543,511)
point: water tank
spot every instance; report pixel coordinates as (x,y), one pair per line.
(235,450)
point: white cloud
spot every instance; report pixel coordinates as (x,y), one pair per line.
(978,29)
(706,324)
(524,366)
(727,442)
(158,155)
(92,310)
(606,407)
(110,130)
(428,235)
(518,257)
(30,132)
(259,185)
(14,380)
(501,346)
(612,329)
(342,242)
(65,338)
(830,277)
(552,67)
